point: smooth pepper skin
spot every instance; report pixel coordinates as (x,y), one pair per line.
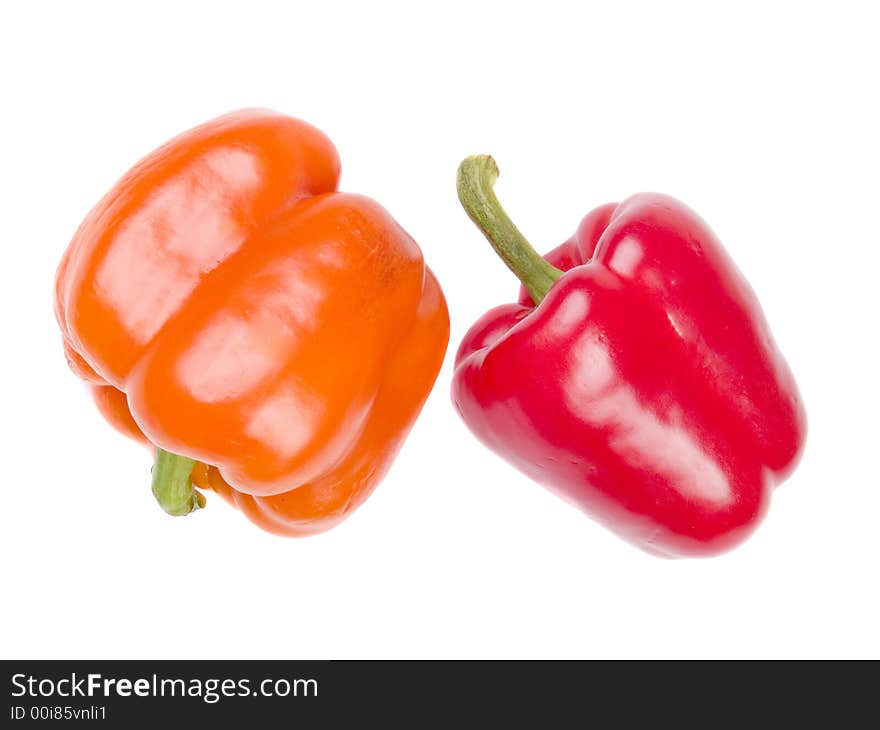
(226,304)
(645,388)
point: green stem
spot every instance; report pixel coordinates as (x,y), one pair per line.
(172,485)
(476,176)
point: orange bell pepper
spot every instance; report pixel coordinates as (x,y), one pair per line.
(273,339)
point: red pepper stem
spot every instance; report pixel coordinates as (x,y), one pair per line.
(172,484)
(476,177)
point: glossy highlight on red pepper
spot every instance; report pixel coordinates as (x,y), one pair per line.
(273,339)
(644,386)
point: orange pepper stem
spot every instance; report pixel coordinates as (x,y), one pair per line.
(476,177)
(172,484)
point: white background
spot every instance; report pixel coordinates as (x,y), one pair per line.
(762,116)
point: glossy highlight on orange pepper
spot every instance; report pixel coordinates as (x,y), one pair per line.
(274,338)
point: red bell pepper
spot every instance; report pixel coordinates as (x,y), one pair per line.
(637,378)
